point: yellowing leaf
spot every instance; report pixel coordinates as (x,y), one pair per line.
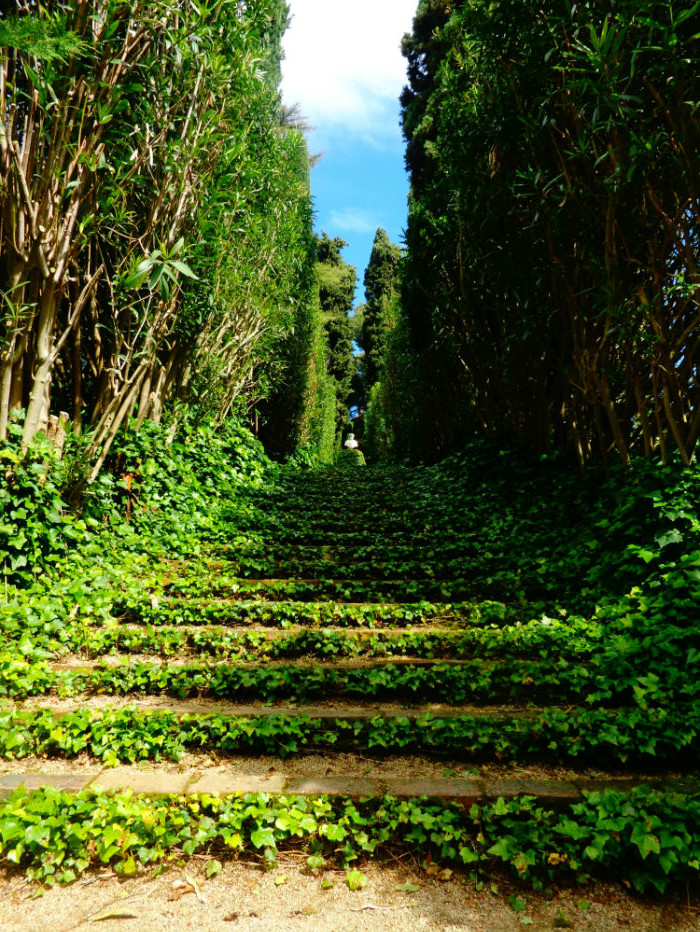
(114,914)
(356,880)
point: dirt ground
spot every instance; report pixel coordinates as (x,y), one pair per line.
(244,898)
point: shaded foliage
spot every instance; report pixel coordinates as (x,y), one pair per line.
(551,281)
(336,282)
(381,282)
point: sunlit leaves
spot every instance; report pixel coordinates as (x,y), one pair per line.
(160,271)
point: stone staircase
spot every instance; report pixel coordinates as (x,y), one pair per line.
(358,609)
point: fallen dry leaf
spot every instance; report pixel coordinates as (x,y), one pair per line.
(195,887)
(114,914)
(181,888)
(360,909)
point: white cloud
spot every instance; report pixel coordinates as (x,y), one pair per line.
(343,63)
(354,220)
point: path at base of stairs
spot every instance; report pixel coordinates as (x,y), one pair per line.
(244,898)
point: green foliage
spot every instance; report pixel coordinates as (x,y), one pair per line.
(645,837)
(40,36)
(275,27)
(336,282)
(350,459)
(392,430)
(168,486)
(221,568)
(381,288)
(381,324)
(159,492)
(541,638)
(378,433)
(187,235)
(36,528)
(191,609)
(313,430)
(620,737)
(552,230)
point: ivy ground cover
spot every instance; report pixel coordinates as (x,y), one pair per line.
(489,610)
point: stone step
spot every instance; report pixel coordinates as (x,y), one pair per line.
(274,548)
(346,537)
(291,642)
(429,641)
(386,678)
(428,628)
(467,790)
(360,590)
(324,711)
(375,528)
(79,664)
(363,571)
(565,734)
(196,611)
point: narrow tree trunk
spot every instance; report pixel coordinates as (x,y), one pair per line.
(5,389)
(613,419)
(114,427)
(641,409)
(144,400)
(675,428)
(37,410)
(77,381)
(657,414)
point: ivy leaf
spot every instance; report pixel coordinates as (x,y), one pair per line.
(333,832)
(674,536)
(127,867)
(647,844)
(263,838)
(356,880)
(503,848)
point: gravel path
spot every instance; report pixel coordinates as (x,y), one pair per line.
(246,899)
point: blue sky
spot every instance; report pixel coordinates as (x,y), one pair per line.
(344,69)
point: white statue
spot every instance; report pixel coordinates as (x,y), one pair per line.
(351,443)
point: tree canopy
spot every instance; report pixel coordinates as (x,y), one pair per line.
(155,218)
(382,285)
(551,278)
(337,282)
